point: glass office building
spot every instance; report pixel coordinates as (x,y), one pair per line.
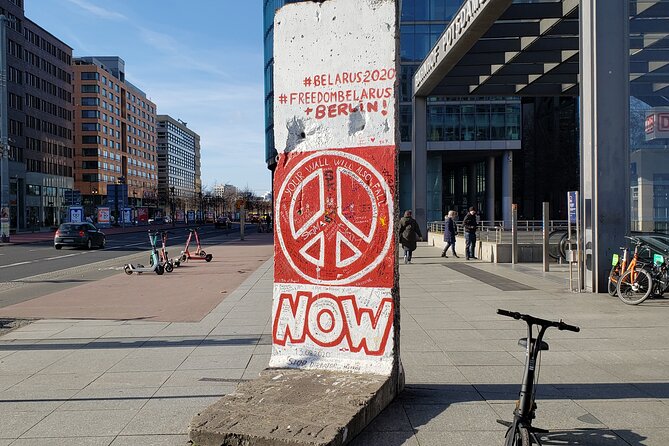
(467,137)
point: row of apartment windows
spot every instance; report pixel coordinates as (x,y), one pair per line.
(48,127)
(135,100)
(48,147)
(48,167)
(99,165)
(95,114)
(174,130)
(94,139)
(96,127)
(17,51)
(14,22)
(141,123)
(184,160)
(47,46)
(47,107)
(44,191)
(140,113)
(40,84)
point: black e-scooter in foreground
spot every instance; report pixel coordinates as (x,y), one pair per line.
(521,432)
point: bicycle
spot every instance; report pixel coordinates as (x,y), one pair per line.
(520,431)
(620,267)
(635,284)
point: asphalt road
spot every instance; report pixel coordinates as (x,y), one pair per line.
(32,270)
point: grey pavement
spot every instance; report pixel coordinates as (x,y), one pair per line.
(107,382)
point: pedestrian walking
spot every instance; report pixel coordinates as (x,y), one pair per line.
(449,233)
(470,224)
(409,235)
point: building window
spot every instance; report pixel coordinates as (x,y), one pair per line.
(90,114)
(90,101)
(33,189)
(89,76)
(90,89)
(90,127)
(90,139)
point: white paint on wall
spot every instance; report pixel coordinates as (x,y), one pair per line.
(334,328)
(334,75)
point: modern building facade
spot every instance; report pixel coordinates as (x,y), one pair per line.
(115,134)
(612,56)
(39,121)
(179,180)
(469,142)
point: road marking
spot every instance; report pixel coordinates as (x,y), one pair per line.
(63,256)
(16,264)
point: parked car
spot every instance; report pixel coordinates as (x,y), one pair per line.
(156,221)
(222,222)
(81,235)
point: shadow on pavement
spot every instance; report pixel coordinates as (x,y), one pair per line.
(125,343)
(421,404)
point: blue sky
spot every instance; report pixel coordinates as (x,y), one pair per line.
(199,61)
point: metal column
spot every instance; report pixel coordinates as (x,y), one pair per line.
(419,162)
(604,68)
(490,189)
(507,187)
(4,139)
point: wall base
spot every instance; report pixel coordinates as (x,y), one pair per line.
(294,407)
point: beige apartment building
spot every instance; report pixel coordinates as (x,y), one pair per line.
(114,135)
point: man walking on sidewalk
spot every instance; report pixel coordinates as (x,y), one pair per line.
(469,224)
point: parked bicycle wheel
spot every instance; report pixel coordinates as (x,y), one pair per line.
(614,277)
(519,437)
(635,286)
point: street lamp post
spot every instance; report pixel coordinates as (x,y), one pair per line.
(4,139)
(174,217)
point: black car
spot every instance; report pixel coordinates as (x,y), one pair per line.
(83,235)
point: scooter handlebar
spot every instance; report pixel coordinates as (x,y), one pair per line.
(513,314)
(562,326)
(535,320)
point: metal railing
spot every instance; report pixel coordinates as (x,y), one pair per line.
(499,231)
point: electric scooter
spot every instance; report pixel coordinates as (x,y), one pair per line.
(156,266)
(167,263)
(199,253)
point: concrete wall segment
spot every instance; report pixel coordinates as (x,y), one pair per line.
(336,297)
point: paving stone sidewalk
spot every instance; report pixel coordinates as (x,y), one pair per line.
(108,382)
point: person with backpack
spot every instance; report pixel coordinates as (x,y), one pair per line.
(470,224)
(409,235)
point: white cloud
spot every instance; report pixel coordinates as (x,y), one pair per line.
(98,11)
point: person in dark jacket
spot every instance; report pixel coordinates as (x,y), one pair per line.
(470,223)
(449,233)
(409,235)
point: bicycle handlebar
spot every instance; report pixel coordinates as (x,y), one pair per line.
(535,320)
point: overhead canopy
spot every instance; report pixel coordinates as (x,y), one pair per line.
(505,48)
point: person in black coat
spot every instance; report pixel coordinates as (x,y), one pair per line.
(470,224)
(449,233)
(409,235)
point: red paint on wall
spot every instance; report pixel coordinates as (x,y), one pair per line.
(334,217)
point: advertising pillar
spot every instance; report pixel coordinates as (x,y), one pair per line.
(336,299)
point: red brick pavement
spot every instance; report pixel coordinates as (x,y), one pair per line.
(185,295)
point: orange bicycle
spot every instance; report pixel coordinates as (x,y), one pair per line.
(635,283)
(620,266)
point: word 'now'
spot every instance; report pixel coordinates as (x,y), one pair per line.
(332,321)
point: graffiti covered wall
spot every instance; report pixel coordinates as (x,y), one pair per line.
(335,81)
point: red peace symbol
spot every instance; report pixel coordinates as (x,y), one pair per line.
(334,218)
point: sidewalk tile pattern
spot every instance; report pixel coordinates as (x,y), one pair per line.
(607,385)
